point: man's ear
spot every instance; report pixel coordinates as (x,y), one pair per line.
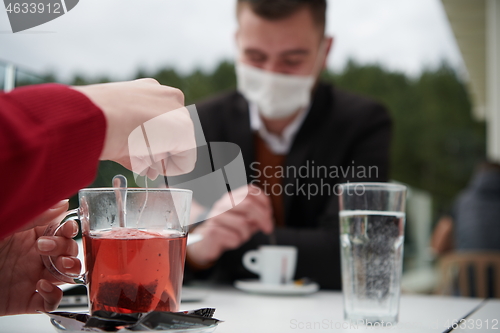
(328,47)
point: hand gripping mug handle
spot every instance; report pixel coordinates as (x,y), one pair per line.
(251,261)
(51,230)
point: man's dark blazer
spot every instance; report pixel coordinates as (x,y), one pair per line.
(342,131)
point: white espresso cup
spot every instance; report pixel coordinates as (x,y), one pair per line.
(273,263)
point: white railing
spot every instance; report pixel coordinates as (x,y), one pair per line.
(9,77)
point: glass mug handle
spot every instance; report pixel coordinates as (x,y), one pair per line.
(51,230)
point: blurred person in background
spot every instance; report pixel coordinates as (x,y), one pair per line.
(284,118)
(474,224)
(442,236)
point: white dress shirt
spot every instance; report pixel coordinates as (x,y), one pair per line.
(279,145)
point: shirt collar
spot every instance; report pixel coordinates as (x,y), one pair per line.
(279,145)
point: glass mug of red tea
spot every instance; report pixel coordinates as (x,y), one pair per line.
(135,248)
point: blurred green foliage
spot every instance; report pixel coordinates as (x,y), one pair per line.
(436,143)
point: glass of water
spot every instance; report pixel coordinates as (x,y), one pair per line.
(372,220)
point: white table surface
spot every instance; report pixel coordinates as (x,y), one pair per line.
(320,312)
(487,319)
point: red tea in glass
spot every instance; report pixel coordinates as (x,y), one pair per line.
(135,247)
(132,270)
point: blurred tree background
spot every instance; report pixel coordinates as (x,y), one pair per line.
(436,143)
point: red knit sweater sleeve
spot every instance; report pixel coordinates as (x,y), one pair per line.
(51,137)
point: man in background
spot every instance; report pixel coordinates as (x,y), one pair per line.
(299,138)
(474,222)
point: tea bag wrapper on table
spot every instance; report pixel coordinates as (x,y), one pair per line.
(105,321)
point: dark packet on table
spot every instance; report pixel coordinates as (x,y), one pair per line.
(105,321)
(205,312)
(171,320)
(112,321)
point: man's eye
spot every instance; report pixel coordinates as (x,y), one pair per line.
(257,58)
(292,62)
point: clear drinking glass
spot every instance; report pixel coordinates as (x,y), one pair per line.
(134,257)
(372,220)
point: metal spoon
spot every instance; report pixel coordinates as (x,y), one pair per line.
(120,182)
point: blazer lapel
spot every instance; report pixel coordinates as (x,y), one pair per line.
(240,133)
(305,140)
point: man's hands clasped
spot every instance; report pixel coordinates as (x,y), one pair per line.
(229,230)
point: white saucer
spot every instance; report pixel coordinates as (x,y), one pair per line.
(256,287)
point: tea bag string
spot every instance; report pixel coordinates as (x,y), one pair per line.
(145,201)
(146,139)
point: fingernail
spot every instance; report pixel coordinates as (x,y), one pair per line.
(60,204)
(45,244)
(67,262)
(75,229)
(46,286)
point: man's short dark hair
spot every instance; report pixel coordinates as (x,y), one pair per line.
(279,9)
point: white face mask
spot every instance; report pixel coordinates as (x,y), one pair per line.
(276,95)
